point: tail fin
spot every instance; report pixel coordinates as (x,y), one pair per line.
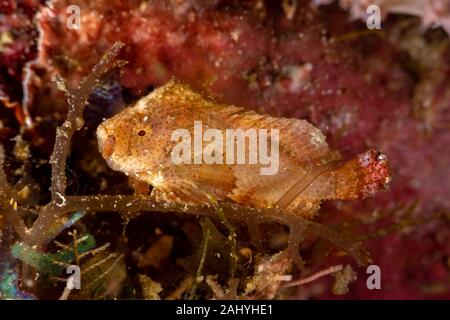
(362,176)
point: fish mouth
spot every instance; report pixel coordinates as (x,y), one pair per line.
(106,142)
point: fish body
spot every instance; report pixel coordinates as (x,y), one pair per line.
(141,141)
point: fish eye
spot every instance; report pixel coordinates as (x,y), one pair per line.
(141,133)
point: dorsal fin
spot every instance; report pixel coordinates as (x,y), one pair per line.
(299,138)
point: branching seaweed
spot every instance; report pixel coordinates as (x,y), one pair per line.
(129,205)
(231,237)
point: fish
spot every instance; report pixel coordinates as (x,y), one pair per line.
(173,139)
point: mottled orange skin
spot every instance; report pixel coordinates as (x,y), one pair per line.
(138,142)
